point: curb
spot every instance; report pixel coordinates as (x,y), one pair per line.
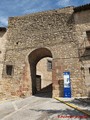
(73,106)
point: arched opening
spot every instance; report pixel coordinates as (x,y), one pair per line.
(36,59)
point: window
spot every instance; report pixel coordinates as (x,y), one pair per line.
(88,35)
(49,65)
(89,70)
(87,43)
(9,69)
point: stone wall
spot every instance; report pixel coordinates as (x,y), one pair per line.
(82,24)
(55,34)
(3,40)
(42,70)
(52,30)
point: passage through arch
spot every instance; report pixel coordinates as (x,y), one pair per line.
(40,61)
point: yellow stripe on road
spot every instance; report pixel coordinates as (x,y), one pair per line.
(73,106)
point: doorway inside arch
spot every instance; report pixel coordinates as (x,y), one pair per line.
(41,72)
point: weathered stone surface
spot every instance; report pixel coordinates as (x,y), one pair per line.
(58,34)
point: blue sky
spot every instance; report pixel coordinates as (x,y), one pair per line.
(21,7)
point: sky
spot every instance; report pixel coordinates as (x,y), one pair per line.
(10,8)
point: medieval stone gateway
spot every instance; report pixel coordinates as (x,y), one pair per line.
(57,39)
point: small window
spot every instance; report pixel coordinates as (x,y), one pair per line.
(9,69)
(88,35)
(89,70)
(49,65)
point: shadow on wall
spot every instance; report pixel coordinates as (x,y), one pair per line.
(71,19)
(86,55)
(61,87)
(89,94)
(45,92)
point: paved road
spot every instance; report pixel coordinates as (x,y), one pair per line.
(38,108)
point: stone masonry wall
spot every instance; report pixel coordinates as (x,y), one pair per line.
(46,75)
(3,42)
(82,24)
(54,30)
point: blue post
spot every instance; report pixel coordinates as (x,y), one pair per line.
(67,85)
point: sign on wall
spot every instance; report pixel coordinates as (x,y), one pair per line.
(67,84)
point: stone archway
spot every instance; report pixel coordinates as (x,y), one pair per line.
(34,57)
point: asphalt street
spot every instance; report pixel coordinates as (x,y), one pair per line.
(38,108)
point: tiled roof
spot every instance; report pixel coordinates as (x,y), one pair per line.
(82,8)
(2,29)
